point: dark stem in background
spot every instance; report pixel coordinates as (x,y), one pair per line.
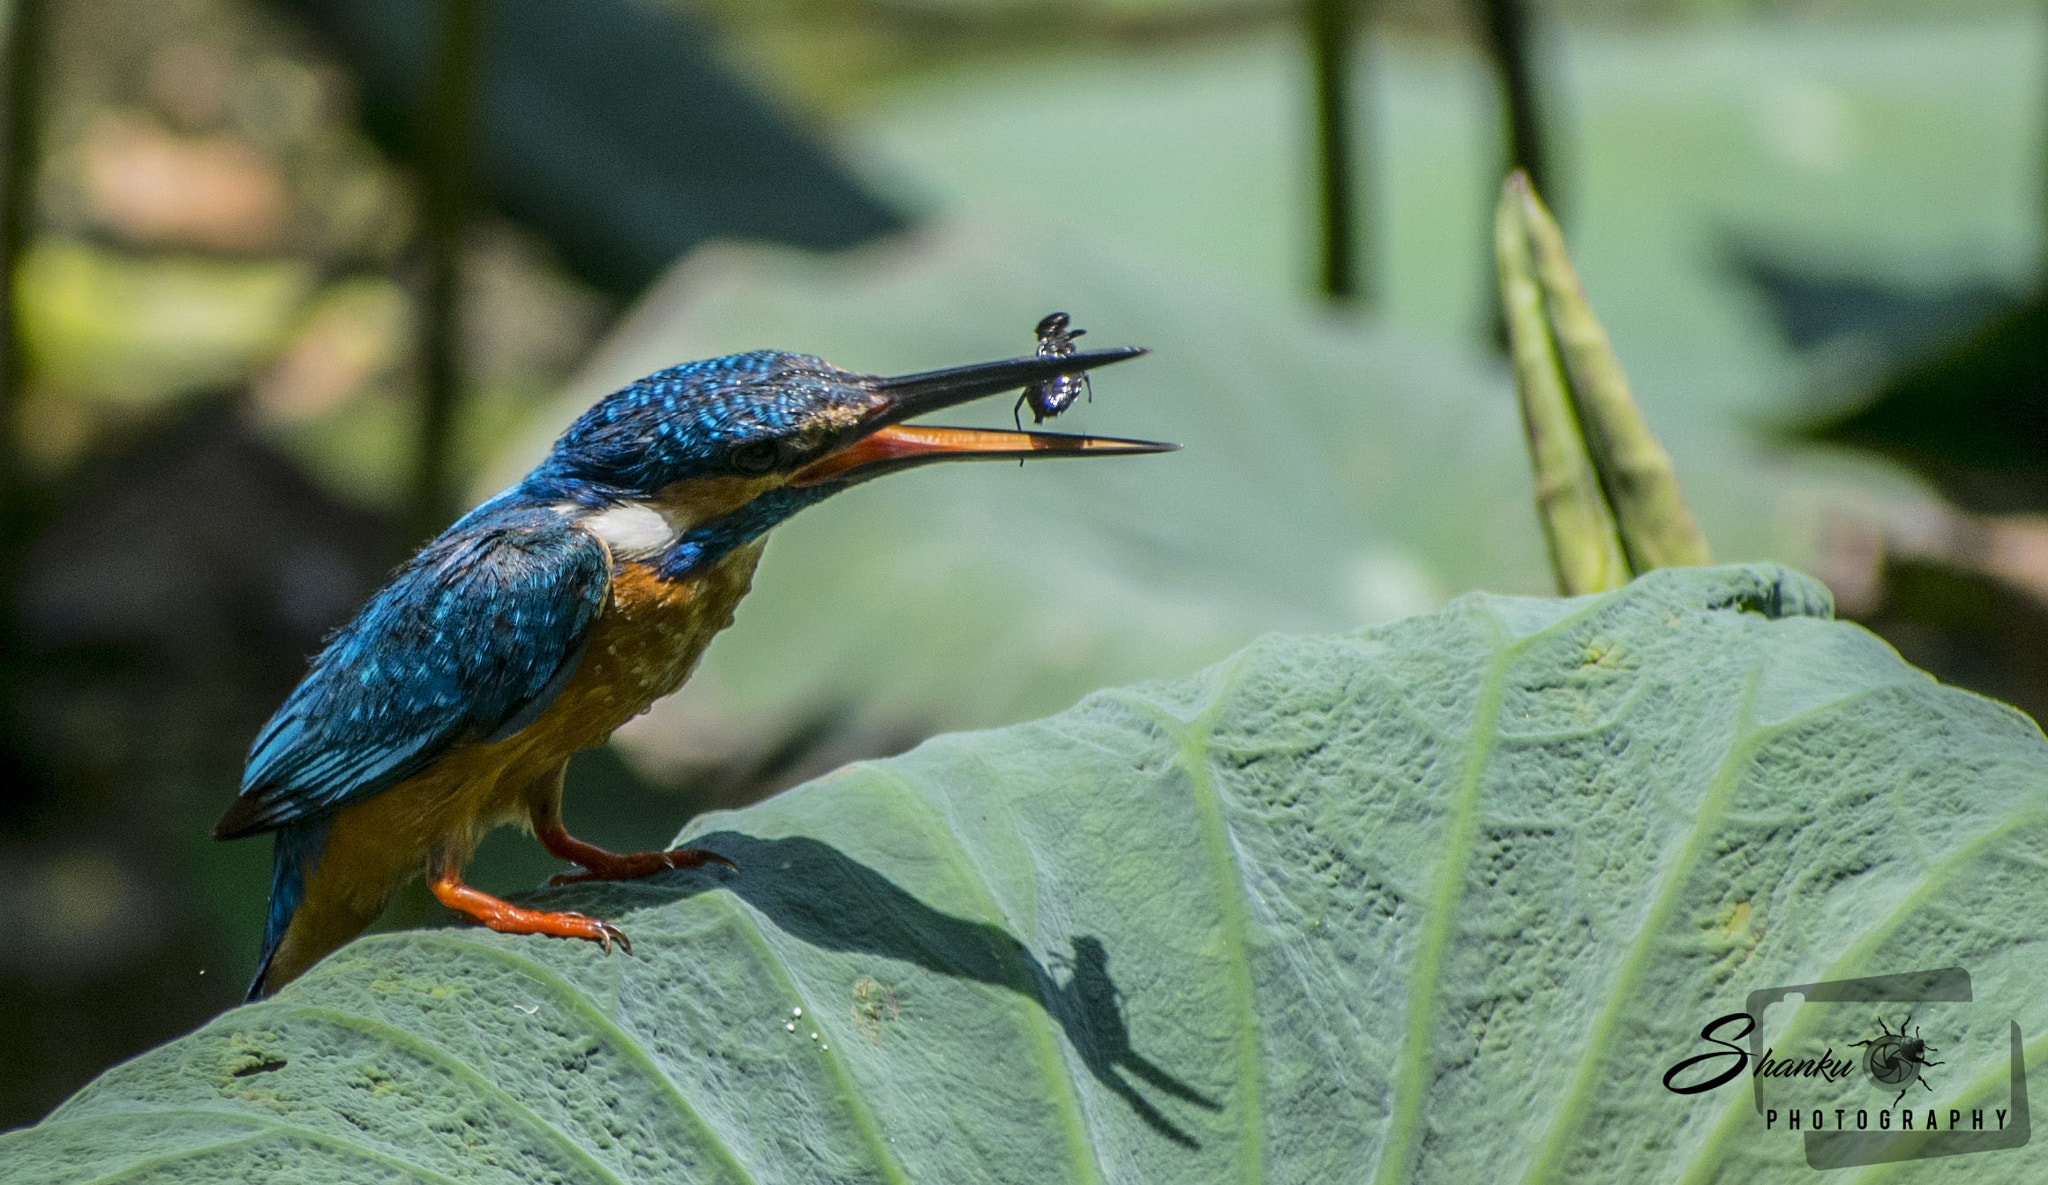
(1332,33)
(444,203)
(22,786)
(1504,31)
(24,69)
(1504,24)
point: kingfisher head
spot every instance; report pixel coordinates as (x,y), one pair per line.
(693,461)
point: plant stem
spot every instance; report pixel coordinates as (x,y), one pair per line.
(1331,42)
(24,66)
(1505,26)
(26,787)
(444,205)
(1585,551)
(1657,528)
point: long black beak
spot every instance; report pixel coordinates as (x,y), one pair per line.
(915,394)
(878,445)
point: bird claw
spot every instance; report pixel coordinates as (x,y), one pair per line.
(595,930)
(696,857)
(639,864)
(605,933)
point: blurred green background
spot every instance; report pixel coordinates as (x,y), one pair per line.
(295,281)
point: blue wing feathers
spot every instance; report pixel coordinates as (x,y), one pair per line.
(470,640)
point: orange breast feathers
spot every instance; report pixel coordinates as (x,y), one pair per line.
(642,646)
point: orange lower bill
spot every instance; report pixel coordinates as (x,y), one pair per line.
(899,444)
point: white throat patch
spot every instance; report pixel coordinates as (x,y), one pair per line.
(633,531)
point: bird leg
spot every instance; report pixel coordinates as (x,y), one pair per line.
(601,865)
(507,918)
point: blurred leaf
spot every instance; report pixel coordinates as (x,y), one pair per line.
(1334,474)
(612,129)
(1832,307)
(1331,476)
(1307,916)
(1973,418)
(133,329)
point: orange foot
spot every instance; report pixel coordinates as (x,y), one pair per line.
(601,865)
(507,918)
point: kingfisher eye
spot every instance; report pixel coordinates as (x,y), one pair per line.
(755,459)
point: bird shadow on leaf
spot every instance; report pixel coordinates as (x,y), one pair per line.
(819,894)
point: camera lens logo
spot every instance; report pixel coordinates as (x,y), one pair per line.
(1894,1059)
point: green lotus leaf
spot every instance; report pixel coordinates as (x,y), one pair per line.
(1439,901)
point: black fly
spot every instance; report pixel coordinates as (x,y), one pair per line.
(1058,393)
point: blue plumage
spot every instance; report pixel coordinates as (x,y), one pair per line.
(468,639)
(294,857)
(683,422)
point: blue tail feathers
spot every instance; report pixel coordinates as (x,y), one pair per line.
(293,856)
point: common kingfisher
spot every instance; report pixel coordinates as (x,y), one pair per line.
(557,611)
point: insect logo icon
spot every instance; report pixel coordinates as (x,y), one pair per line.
(1894,1059)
